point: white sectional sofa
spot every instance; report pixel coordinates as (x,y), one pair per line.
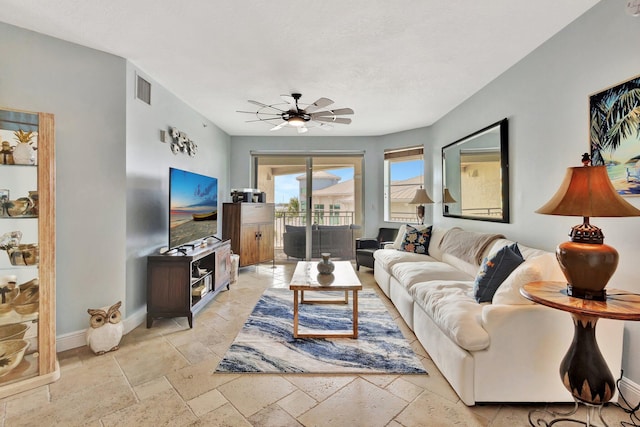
(507,350)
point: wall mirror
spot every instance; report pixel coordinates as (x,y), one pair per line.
(475,175)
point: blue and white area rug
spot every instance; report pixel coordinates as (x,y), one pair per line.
(266,344)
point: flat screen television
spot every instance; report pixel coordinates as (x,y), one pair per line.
(193,207)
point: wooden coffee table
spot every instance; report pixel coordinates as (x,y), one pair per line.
(306,278)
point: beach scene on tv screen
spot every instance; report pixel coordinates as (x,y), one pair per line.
(194,207)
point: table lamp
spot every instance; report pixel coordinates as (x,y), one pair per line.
(421,198)
(446,199)
(587,263)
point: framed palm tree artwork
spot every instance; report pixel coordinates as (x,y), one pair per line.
(614,132)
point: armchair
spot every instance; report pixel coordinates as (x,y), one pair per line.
(366,246)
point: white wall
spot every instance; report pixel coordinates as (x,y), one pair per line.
(85,89)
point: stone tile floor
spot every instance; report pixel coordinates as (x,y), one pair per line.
(163,376)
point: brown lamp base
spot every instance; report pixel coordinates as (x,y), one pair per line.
(583,370)
(575,292)
(587,268)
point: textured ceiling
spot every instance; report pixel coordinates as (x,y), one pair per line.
(399,64)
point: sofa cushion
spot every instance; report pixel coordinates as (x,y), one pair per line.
(541,267)
(397,243)
(415,240)
(453,308)
(390,257)
(410,273)
(469,246)
(526,251)
(470,269)
(434,245)
(495,270)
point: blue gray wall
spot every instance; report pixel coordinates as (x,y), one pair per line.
(85,89)
(112,169)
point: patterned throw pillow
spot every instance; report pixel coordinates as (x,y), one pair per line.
(415,240)
(495,270)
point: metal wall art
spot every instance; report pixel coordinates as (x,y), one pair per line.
(180,142)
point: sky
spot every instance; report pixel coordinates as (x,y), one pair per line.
(286,186)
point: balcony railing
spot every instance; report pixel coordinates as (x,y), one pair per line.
(404,217)
(482,211)
(318,217)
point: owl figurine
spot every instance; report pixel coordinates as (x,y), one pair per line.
(106,328)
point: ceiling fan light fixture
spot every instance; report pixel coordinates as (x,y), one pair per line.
(302,117)
(296,121)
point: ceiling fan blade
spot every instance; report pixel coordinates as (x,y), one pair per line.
(320,103)
(342,111)
(255,112)
(263,120)
(336,112)
(260,104)
(333,120)
(280,126)
(303,129)
(330,113)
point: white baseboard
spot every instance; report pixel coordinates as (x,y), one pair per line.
(630,391)
(78,339)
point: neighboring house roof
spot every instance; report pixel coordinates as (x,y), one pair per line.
(319,175)
(405,190)
(343,188)
(402,190)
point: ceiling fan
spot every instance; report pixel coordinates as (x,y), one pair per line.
(300,116)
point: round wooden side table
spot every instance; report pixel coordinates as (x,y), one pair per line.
(583,370)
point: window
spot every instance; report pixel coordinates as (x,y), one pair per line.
(403,175)
(318,213)
(334,214)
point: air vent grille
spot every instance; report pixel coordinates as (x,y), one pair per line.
(143,90)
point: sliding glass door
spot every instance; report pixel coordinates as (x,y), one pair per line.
(318,200)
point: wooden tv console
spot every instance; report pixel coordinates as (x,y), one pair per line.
(176,289)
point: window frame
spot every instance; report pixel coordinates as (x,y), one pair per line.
(394,156)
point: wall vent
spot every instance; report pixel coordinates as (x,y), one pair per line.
(143,90)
